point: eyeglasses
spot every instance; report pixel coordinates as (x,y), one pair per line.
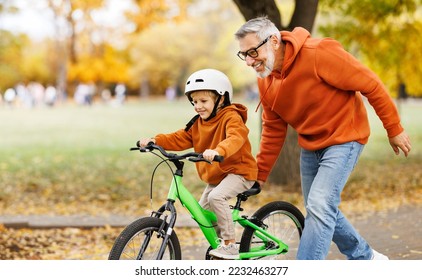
(252,52)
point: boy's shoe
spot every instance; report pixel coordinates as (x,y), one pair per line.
(376,256)
(228,252)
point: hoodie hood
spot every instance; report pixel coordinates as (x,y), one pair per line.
(241,109)
(294,42)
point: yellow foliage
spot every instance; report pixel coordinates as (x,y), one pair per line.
(149,13)
(167,53)
(386,35)
(109,68)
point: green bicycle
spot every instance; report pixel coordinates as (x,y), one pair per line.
(272,232)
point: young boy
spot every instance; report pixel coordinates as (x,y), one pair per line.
(218,129)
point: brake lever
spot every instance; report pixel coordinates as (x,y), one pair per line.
(198,159)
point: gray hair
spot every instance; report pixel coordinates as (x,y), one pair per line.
(261,26)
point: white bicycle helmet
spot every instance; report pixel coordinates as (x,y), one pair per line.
(209,79)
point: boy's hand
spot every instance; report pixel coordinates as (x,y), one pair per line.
(209,154)
(144,142)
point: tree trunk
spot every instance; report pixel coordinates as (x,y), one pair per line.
(286,170)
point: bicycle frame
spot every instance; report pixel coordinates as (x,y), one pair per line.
(206,221)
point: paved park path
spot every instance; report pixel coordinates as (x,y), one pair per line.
(396,233)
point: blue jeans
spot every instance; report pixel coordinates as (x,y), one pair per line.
(324,174)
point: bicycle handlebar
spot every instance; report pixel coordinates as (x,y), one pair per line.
(192,156)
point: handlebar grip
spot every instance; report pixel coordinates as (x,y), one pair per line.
(218,158)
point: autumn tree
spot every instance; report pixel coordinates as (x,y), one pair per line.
(149,13)
(303,15)
(152,15)
(85,46)
(286,170)
(11,51)
(385,34)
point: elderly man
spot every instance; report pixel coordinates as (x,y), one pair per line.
(315,86)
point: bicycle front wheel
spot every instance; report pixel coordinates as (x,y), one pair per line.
(283,220)
(142,239)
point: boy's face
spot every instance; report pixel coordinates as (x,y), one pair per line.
(203,102)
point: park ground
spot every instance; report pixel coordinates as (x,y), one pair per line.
(70,161)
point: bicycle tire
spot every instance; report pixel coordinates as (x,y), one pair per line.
(129,241)
(284,220)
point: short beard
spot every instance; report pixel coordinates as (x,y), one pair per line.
(269,65)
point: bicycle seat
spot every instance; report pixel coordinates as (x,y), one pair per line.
(254,190)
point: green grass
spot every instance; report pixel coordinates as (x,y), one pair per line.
(70,159)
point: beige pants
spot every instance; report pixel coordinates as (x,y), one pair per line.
(215,198)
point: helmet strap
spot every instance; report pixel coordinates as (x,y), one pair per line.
(191,122)
(214,111)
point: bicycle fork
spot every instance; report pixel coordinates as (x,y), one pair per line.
(166,232)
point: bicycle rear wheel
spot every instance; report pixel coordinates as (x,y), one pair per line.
(283,220)
(141,240)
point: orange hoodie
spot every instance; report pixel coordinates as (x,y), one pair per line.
(227,134)
(318,93)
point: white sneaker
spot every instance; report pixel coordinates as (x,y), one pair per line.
(376,256)
(228,252)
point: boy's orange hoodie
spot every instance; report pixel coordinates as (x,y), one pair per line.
(318,93)
(227,134)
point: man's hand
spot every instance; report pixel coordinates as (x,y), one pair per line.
(401,142)
(261,183)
